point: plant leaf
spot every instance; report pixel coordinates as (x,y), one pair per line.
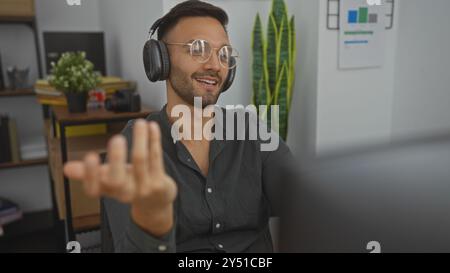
(258,59)
(271,53)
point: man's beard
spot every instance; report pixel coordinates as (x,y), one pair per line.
(183,85)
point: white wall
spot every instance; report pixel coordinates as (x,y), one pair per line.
(302,121)
(422,82)
(354,107)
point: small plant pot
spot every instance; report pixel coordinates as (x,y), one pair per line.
(77,102)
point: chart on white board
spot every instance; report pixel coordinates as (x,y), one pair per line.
(362,34)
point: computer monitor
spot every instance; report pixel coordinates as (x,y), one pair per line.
(92,43)
(394,198)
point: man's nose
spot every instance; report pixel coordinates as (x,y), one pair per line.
(213,63)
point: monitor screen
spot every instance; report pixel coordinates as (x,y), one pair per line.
(56,43)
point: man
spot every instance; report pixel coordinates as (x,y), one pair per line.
(189,195)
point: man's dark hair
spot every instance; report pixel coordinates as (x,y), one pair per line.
(190,8)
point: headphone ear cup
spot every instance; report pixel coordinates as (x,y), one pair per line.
(152,60)
(230,77)
(165,59)
(156,60)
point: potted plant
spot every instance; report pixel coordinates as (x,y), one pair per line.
(74,75)
(273,65)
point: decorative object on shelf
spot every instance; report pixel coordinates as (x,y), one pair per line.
(274,64)
(96,99)
(74,75)
(124,101)
(18,78)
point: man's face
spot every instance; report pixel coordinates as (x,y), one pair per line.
(187,76)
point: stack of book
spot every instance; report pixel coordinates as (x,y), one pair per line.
(9,141)
(9,212)
(46,94)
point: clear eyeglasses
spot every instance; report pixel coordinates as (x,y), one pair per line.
(201,51)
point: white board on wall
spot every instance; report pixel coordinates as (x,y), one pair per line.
(362,38)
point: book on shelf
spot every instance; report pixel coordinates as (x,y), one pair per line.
(33,148)
(9,141)
(5,147)
(46,92)
(109,84)
(7,207)
(10,218)
(14,141)
(9,212)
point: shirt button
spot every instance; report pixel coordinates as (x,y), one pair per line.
(220,246)
(188,160)
(209,190)
(162,248)
(218,225)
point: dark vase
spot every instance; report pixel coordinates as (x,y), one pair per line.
(77,102)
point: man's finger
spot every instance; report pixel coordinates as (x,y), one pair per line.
(155,160)
(117,156)
(139,155)
(92,178)
(75,170)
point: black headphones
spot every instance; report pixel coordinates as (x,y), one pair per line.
(157,60)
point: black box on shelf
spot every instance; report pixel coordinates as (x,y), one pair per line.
(2,81)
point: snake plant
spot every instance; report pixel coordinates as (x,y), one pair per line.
(274,64)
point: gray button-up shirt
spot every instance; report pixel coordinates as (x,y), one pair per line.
(226,211)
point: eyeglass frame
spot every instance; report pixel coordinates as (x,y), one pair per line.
(213,48)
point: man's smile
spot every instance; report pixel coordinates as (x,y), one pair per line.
(207,82)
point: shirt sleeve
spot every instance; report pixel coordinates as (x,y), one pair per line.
(139,241)
(125,234)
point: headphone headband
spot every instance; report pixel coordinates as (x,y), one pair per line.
(154,27)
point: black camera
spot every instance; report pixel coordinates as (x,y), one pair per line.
(124,101)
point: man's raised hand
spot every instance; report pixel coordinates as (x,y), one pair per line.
(144,183)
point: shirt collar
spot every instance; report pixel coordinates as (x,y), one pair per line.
(216,145)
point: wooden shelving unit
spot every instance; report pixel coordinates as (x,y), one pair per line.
(28,232)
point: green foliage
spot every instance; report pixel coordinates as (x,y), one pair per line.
(73,73)
(274,63)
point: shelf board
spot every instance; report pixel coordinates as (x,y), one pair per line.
(31,222)
(24,163)
(17,93)
(16,19)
